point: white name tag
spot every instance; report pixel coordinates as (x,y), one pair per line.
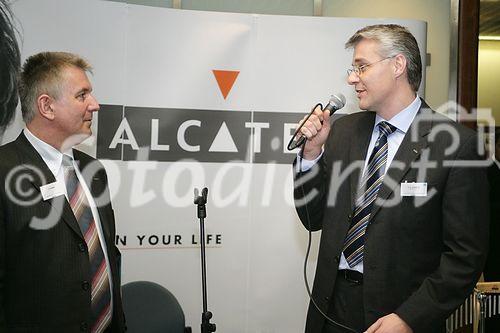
(413,189)
(52,190)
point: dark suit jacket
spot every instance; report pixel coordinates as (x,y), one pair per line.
(422,255)
(44,264)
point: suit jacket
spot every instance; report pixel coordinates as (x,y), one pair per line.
(422,255)
(44,262)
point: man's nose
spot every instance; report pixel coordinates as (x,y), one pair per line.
(94,105)
(352,78)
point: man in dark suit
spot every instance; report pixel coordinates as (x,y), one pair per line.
(396,191)
(59,266)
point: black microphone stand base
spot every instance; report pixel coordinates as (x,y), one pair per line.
(206,326)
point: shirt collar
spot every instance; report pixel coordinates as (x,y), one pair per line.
(403,119)
(51,156)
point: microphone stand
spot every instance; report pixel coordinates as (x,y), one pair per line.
(200,201)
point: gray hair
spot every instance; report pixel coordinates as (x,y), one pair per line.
(393,39)
(42,74)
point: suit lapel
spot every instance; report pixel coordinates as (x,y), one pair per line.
(408,152)
(357,151)
(41,175)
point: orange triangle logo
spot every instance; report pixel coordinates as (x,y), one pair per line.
(225,80)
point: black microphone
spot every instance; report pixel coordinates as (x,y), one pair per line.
(335,103)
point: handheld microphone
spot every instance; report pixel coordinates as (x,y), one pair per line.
(335,103)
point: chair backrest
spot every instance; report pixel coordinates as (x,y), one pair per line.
(150,308)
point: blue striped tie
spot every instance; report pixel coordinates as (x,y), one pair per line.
(369,186)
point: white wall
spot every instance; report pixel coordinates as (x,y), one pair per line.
(489,77)
(435,12)
(437,15)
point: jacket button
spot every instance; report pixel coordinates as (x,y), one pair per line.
(81,247)
(327,298)
(84,327)
(349,217)
(337,259)
(85,285)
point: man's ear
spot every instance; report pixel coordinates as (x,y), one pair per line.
(44,106)
(400,64)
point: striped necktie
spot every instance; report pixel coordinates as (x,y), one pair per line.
(369,186)
(100,292)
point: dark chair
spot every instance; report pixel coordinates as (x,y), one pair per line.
(150,308)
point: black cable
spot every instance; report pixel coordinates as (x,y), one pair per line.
(310,240)
(294,140)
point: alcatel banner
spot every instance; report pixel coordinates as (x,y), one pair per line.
(195,99)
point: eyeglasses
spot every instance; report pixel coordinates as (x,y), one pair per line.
(361,69)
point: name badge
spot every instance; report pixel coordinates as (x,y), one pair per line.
(413,189)
(52,190)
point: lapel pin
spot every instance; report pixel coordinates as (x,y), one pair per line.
(415,150)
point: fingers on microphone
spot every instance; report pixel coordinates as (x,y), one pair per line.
(318,113)
(318,108)
(326,118)
(315,121)
(302,120)
(308,132)
(326,115)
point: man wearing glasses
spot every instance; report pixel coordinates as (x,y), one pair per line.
(404,234)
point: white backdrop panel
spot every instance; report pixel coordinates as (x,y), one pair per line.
(163,58)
